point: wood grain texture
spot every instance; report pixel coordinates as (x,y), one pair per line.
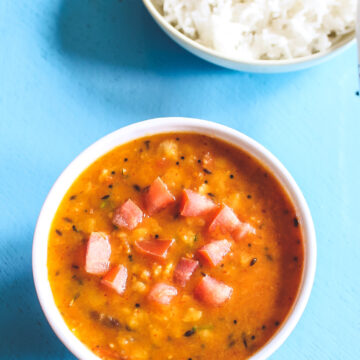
(73,70)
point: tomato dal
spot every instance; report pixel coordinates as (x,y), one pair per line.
(175,246)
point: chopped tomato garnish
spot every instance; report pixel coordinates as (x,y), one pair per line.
(162,293)
(183,271)
(98,253)
(225,220)
(213,252)
(194,204)
(158,197)
(155,248)
(116,279)
(128,215)
(212,292)
(242,230)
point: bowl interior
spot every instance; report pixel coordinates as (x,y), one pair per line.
(132,132)
(263,65)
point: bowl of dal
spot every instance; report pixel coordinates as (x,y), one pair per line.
(174,238)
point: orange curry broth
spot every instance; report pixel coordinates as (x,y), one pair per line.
(128,326)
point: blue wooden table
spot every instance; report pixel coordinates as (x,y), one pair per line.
(72,71)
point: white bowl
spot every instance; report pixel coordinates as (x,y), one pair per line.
(256,66)
(149,127)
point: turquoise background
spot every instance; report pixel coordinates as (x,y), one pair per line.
(72,71)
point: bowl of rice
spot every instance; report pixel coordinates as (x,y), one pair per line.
(265,36)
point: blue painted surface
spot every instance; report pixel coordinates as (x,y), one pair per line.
(72,71)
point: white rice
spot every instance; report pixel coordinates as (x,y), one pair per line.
(262,29)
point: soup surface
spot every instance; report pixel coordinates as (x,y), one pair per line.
(204,261)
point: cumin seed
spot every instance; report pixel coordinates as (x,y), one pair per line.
(137,187)
(253,261)
(269,257)
(245,342)
(190,332)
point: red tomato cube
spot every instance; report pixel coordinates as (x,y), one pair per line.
(158,197)
(225,220)
(162,293)
(212,292)
(213,252)
(183,271)
(128,215)
(155,248)
(98,253)
(194,204)
(242,230)
(116,279)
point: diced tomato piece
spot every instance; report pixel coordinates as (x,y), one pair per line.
(194,204)
(98,253)
(213,252)
(128,215)
(212,292)
(225,219)
(155,248)
(242,230)
(158,197)
(183,271)
(162,293)
(116,279)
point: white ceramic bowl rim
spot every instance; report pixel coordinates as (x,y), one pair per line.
(342,45)
(154,126)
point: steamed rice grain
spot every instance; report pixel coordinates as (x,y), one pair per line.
(262,29)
